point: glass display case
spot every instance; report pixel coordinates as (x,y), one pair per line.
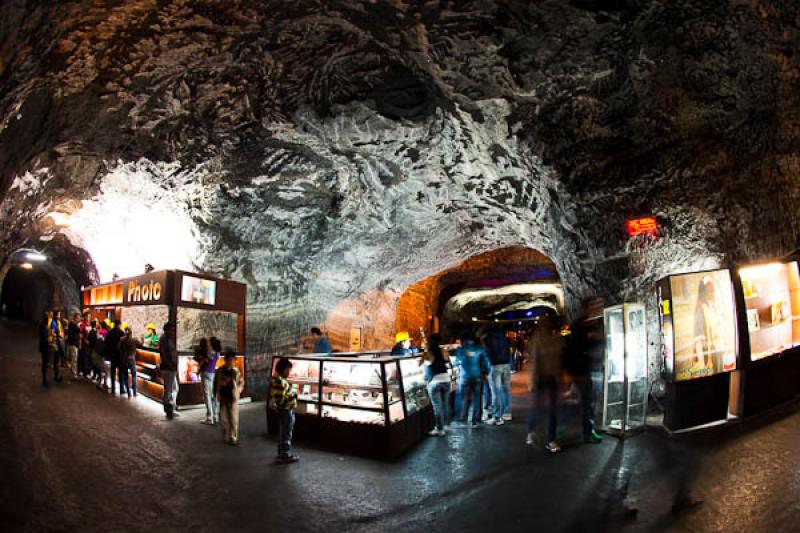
(358,402)
(625,376)
(772,302)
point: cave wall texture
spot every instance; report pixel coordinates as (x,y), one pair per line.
(342,151)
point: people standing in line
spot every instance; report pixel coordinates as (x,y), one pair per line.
(285,401)
(438,382)
(73,345)
(113,338)
(545,353)
(57,328)
(473,368)
(584,345)
(98,344)
(46,346)
(208,368)
(127,360)
(84,351)
(498,349)
(169,369)
(402,345)
(321,343)
(228,386)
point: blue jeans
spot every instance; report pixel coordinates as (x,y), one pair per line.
(545,397)
(170,378)
(212,407)
(470,392)
(500,380)
(285,427)
(123,376)
(438,393)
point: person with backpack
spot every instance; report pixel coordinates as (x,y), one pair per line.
(473,368)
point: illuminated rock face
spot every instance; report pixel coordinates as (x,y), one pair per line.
(343,152)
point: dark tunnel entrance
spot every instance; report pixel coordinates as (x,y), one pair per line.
(26,294)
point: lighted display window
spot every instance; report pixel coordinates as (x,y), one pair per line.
(772,300)
(703,324)
(110,294)
(198,291)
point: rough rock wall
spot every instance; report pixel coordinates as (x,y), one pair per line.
(322,151)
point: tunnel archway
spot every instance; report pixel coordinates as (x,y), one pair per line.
(502,286)
(26,294)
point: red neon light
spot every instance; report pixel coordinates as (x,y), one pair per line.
(642,226)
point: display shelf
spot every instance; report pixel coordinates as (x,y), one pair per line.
(361,407)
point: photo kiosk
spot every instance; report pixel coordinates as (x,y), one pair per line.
(199,305)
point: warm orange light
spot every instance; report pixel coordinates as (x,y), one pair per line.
(642,226)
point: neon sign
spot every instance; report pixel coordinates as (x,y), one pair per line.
(642,226)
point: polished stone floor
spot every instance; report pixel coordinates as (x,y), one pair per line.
(75,459)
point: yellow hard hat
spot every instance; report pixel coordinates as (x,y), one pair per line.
(124,325)
(402,336)
(151,326)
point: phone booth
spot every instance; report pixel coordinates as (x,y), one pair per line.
(625,375)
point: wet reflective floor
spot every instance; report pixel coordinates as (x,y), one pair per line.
(75,459)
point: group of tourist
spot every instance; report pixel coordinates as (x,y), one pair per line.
(104,353)
(560,363)
(101,352)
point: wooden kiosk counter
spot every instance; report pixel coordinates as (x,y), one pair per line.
(199,305)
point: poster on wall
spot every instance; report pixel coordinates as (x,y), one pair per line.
(703,324)
(772,300)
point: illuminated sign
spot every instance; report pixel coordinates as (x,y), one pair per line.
(199,291)
(110,294)
(642,226)
(146,292)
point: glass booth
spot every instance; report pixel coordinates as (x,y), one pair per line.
(625,375)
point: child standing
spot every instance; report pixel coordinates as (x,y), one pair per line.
(228,385)
(285,401)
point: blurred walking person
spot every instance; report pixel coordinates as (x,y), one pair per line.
(57,330)
(545,354)
(583,348)
(84,351)
(169,369)
(228,385)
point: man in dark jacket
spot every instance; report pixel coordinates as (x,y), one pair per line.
(586,339)
(169,369)
(112,349)
(498,348)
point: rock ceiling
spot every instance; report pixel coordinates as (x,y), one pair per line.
(322,150)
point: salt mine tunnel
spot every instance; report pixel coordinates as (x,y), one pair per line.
(370,164)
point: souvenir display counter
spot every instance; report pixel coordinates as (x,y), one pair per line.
(365,405)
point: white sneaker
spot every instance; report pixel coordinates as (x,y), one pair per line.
(507,417)
(530,440)
(436,433)
(498,422)
(553,447)
(491,422)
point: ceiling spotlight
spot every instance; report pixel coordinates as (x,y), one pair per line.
(26,266)
(474,319)
(35,256)
(529,313)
